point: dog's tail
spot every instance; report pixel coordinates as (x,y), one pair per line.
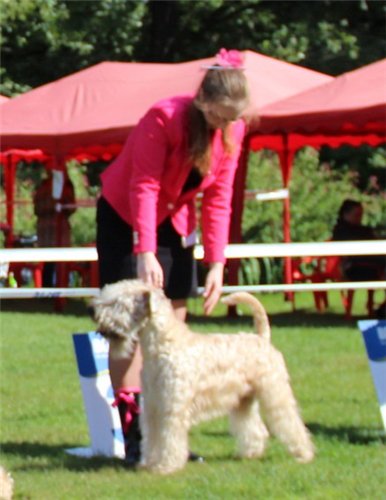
(259,315)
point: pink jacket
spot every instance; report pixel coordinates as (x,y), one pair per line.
(144,183)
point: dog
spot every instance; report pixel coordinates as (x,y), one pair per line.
(190,377)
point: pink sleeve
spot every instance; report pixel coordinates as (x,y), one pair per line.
(216,206)
(148,161)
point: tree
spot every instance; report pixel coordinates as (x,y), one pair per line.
(43,40)
(46,39)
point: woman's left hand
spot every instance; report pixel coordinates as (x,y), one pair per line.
(213,286)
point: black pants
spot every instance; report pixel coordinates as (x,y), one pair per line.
(117,260)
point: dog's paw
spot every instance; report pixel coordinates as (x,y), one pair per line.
(304,456)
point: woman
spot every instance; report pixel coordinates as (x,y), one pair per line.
(146,216)
(349,227)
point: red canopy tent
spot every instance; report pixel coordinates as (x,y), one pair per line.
(9,159)
(99,105)
(90,113)
(353,104)
(351,109)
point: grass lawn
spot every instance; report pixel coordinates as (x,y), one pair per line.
(42,413)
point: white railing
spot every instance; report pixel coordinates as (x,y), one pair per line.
(233,251)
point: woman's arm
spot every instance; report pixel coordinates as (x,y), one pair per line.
(217,199)
(216,212)
(148,162)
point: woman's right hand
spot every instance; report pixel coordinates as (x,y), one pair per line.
(149,269)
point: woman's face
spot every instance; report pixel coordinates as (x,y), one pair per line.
(218,115)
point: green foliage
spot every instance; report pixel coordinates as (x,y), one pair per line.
(316,193)
(70,35)
(262,220)
(367,163)
(66,35)
(331,37)
(25,219)
(83,226)
(28,177)
(263,271)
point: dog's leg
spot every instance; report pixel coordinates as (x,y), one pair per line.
(167,445)
(283,419)
(164,428)
(149,423)
(249,429)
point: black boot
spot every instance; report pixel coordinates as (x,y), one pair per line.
(127,402)
(193,457)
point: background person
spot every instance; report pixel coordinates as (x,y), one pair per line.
(146,218)
(53,224)
(349,227)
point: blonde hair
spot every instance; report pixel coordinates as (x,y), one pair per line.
(227,87)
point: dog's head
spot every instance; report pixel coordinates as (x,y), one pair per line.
(124,309)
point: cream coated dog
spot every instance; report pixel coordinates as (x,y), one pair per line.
(189,377)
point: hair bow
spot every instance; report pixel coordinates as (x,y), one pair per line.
(229,59)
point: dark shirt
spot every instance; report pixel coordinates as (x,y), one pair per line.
(344,231)
(359,267)
(193,180)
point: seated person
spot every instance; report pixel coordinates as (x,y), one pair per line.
(349,228)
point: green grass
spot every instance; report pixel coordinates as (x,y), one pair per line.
(42,413)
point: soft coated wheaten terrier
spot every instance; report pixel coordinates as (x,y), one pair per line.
(189,377)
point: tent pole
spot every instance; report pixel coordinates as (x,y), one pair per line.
(9,179)
(286,166)
(61,267)
(235,233)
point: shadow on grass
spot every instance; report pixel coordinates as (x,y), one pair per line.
(71,307)
(43,456)
(39,456)
(298,318)
(353,435)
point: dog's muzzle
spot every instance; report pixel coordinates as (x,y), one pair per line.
(111,335)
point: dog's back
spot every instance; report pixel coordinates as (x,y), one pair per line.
(259,315)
